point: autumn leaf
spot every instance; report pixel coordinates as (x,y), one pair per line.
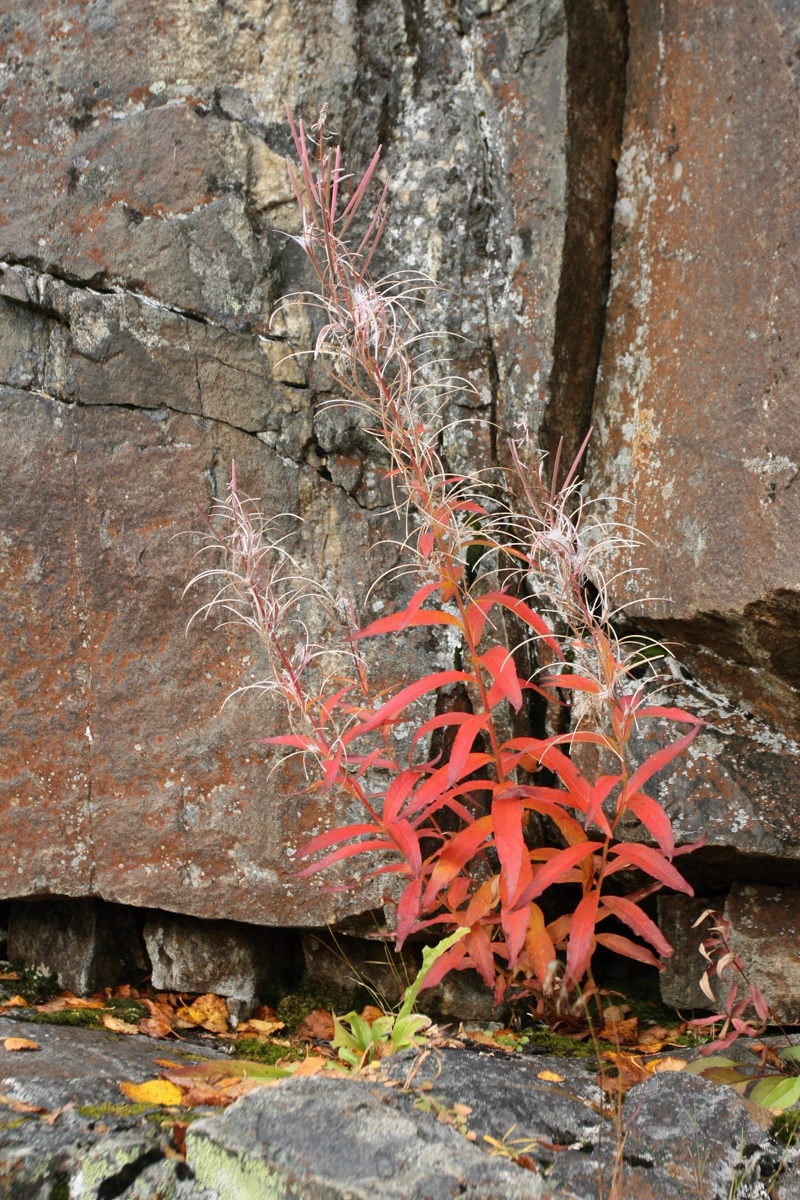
(550,1076)
(20,1043)
(9,975)
(20,1106)
(209,1012)
(668,1063)
(67,1000)
(310,1066)
(317,1026)
(16,1002)
(118,1026)
(261,1028)
(154,1091)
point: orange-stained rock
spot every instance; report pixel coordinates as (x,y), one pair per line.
(144,212)
(698,407)
(122,776)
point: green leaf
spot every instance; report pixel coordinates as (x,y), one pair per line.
(699,1066)
(776,1092)
(791,1052)
(429,956)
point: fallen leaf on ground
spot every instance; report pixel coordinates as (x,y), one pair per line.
(20,1043)
(310,1066)
(16,1002)
(7,975)
(262,1028)
(67,1000)
(624,1032)
(154,1091)
(317,1026)
(118,1026)
(179,1136)
(209,1012)
(668,1063)
(550,1076)
(630,1071)
(151,1027)
(370,1013)
(19,1106)
(52,1117)
(486,1039)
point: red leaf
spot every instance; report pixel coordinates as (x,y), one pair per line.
(413,614)
(510,842)
(624,946)
(436,784)
(669,714)
(462,745)
(639,922)
(397,793)
(340,834)
(458,851)
(407,843)
(430,683)
(346,852)
(652,862)
(655,820)
(581,936)
(438,722)
(599,794)
(448,961)
(501,666)
(408,910)
(299,743)
(561,862)
(478,612)
(656,762)
(539,946)
(576,683)
(479,948)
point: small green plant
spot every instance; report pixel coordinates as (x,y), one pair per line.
(360,1042)
(508,565)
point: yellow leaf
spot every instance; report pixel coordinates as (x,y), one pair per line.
(265,1028)
(155,1091)
(666,1064)
(551,1077)
(118,1026)
(12,1043)
(16,1002)
(309,1066)
(209,1012)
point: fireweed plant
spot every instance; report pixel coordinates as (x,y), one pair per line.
(457,825)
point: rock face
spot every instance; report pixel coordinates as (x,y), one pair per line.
(145,237)
(143,240)
(765,930)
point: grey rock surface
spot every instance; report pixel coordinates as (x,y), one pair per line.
(88,944)
(98,1144)
(318,1139)
(237,961)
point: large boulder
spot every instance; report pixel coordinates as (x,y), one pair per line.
(697,437)
(144,242)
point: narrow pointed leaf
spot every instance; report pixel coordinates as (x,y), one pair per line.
(561,862)
(389,710)
(639,922)
(462,744)
(539,945)
(654,819)
(629,949)
(652,862)
(581,936)
(458,851)
(346,852)
(656,762)
(501,666)
(340,834)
